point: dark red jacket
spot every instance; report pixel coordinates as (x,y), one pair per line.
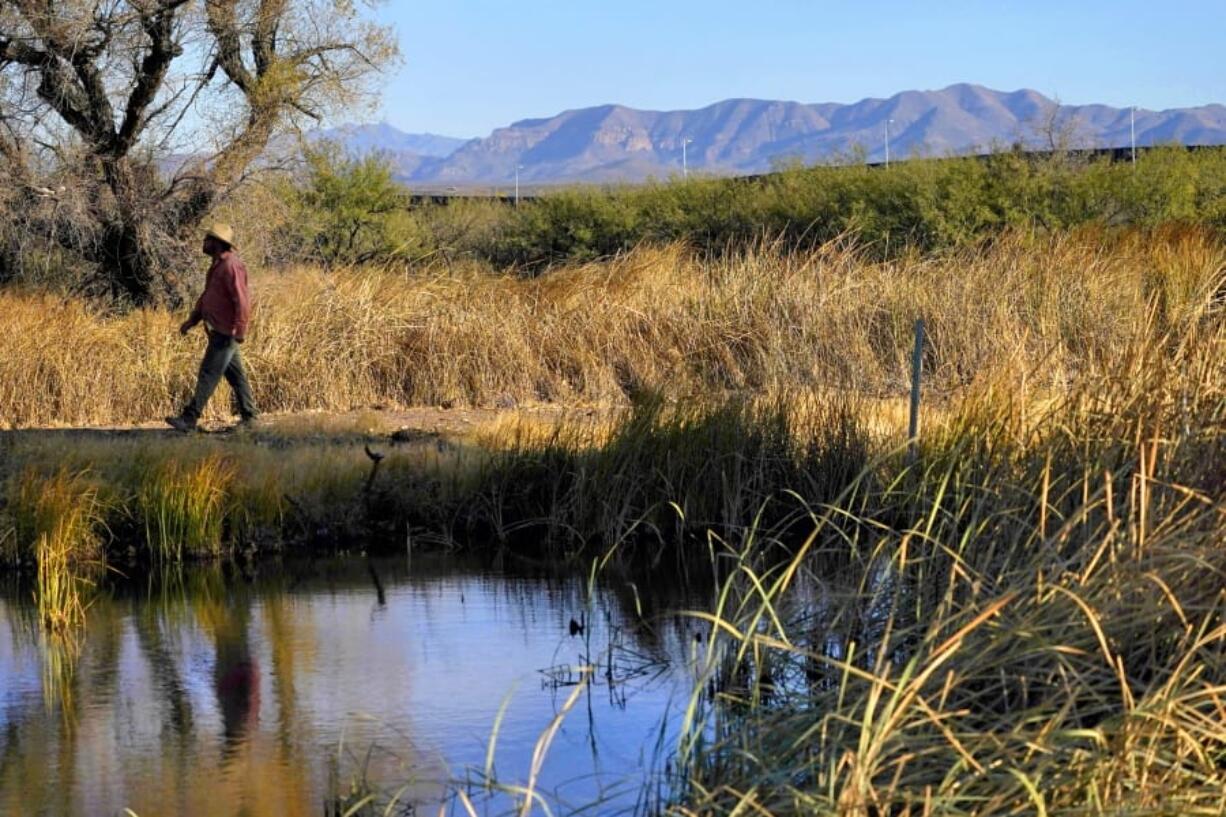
(225,304)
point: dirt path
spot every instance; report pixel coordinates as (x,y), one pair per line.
(368,424)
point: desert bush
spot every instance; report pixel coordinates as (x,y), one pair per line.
(918,205)
(349,210)
(337,210)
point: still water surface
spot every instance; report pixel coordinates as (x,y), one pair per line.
(215,694)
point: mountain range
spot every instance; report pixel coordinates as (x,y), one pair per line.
(614,143)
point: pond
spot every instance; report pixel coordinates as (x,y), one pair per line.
(269,691)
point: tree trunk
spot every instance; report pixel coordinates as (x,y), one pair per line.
(8,266)
(127,264)
(138,270)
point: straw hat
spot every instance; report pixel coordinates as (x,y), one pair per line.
(222,232)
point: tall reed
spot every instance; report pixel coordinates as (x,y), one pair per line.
(1028,621)
(662,475)
(659,319)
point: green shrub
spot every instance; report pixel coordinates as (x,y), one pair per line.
(917,205)
(351,211)
(348,211)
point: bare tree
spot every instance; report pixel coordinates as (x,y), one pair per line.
(164,106)
(1058,129)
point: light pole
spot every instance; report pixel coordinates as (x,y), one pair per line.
(518,167)
(1132,127)
(887,142)
(685,161)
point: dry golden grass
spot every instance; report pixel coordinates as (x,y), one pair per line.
(1027,619)
(1031,622)
(657,319)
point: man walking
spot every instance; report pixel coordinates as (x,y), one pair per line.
(225,308)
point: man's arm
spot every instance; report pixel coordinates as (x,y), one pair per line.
(194,318)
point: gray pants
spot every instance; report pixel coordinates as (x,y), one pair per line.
(221,359)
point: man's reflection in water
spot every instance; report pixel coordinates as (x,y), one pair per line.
(236,677)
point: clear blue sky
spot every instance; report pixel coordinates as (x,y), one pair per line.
(473,65)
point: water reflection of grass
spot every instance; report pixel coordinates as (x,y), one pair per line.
(60,653)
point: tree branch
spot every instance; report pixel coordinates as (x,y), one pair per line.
(264,41)
(222,17)
(45,21)
(56,86)
(163,50)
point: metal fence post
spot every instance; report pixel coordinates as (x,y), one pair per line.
(917,363)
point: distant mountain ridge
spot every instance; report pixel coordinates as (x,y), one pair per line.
(614,143)
(407,152)
(384,137)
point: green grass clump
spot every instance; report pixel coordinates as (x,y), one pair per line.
(183,506)
(57,522)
